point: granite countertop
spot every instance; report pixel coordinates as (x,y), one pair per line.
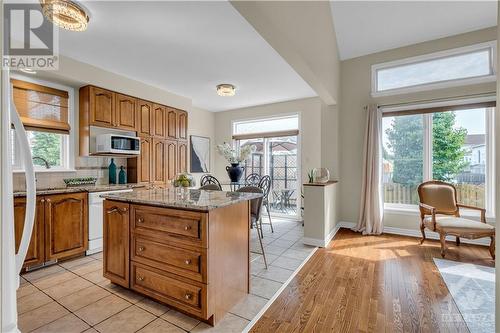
(189,199)
(83,188)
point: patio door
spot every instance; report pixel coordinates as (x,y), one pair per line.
(276,155)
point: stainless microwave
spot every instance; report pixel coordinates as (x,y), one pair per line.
(117,144)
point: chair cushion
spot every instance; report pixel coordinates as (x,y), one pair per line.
(458,224)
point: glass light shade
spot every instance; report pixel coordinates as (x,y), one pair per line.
(66,14)
(321,175)
(226,90)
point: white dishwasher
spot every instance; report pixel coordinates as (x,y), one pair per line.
(95,220)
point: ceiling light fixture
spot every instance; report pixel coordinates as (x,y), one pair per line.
(226,89)
(66,14)
(27,71)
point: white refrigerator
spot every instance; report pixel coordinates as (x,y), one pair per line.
(12,262)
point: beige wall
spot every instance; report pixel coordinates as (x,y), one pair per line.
(202,123)
(355,93)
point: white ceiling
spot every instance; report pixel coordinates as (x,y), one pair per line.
(365,27)
(186,48)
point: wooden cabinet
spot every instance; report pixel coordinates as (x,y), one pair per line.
(182,151)
(116,242)
(171,123)
(101,106)
(159,123)
(182,125)
(171,159)
(36,251)
(66,225)
(60,230)
(140,169)
(125,112)
(159,167)
(145,115)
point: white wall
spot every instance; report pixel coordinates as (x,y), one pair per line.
(355,94)
(202,123)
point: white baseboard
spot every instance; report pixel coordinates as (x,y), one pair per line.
(416,233)
(321,242)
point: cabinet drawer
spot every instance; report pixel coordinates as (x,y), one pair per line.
(184,262)
(174,225)
(190,297)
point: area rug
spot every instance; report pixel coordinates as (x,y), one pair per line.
(473,290)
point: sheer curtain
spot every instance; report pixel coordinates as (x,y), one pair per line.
(372,207)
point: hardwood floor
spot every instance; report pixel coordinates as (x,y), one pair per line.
(382,283)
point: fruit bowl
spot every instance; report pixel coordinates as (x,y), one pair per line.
(184,180)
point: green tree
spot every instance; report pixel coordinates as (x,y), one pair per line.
(47,146)
(447,142)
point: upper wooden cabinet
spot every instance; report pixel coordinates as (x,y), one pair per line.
(159,121)
(172,123)
(171,159)
(36,251)
(182,151)
(182,128)
(145,113)
(159,166)
(125,112)
(101,106)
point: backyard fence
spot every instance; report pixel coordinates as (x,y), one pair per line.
(468,194)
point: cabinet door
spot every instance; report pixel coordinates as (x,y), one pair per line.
(145,110)
(125,115)
(35,255)
(159,170)
(145,165)
(182,128)
(171,123)
(102,107)
(66,225)
(160,113)
(171,159)
(116,242)
(182,149)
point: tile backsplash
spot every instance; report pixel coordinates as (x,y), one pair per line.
(85,167)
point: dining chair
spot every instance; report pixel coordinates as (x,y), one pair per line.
(255,213)
(209,179)
(210,187)
(252,179)
(265,185)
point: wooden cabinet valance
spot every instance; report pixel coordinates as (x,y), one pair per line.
(41,108)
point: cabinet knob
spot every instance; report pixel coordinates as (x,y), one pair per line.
(141,248)
(188,296)
(124,209)
(187,261)
(140,278)
(188,227)
(140,220)
(42,200)
(48,200)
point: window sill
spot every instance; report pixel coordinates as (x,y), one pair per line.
(47,171)
(414,211)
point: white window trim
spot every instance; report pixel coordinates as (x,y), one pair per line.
(490,46)
(69,143)
(407,209)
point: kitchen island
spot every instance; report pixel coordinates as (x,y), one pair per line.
(186,248)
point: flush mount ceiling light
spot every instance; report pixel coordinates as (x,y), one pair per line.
(27,71)
(226,89)
(66,14)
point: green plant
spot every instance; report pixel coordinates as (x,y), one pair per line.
(310,175)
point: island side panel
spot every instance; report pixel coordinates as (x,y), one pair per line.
(229,257)
(116,242)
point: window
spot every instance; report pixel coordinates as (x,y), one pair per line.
(450,68)
(46,112)
(452,146)
(266,125)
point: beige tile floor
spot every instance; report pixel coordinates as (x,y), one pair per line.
(73,296)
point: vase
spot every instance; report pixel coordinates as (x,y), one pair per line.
(122,177)
(235,171)
(112,172)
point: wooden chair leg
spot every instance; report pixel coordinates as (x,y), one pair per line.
(442,238)
(422,229)
(492,247)
(458,241)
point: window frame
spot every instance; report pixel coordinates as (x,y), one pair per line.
(428,164)
(68,141)
(491,77)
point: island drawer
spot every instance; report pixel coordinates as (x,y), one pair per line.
(167,288)
(190,263)
(182,226)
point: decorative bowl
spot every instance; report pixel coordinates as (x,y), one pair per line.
(321,175)
(184,180)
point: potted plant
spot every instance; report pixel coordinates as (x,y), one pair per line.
(235,157)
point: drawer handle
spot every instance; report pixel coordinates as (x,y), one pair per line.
(140,220)
(188,296)
(141,248)
(187,261)
(140,278)
(188,227)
